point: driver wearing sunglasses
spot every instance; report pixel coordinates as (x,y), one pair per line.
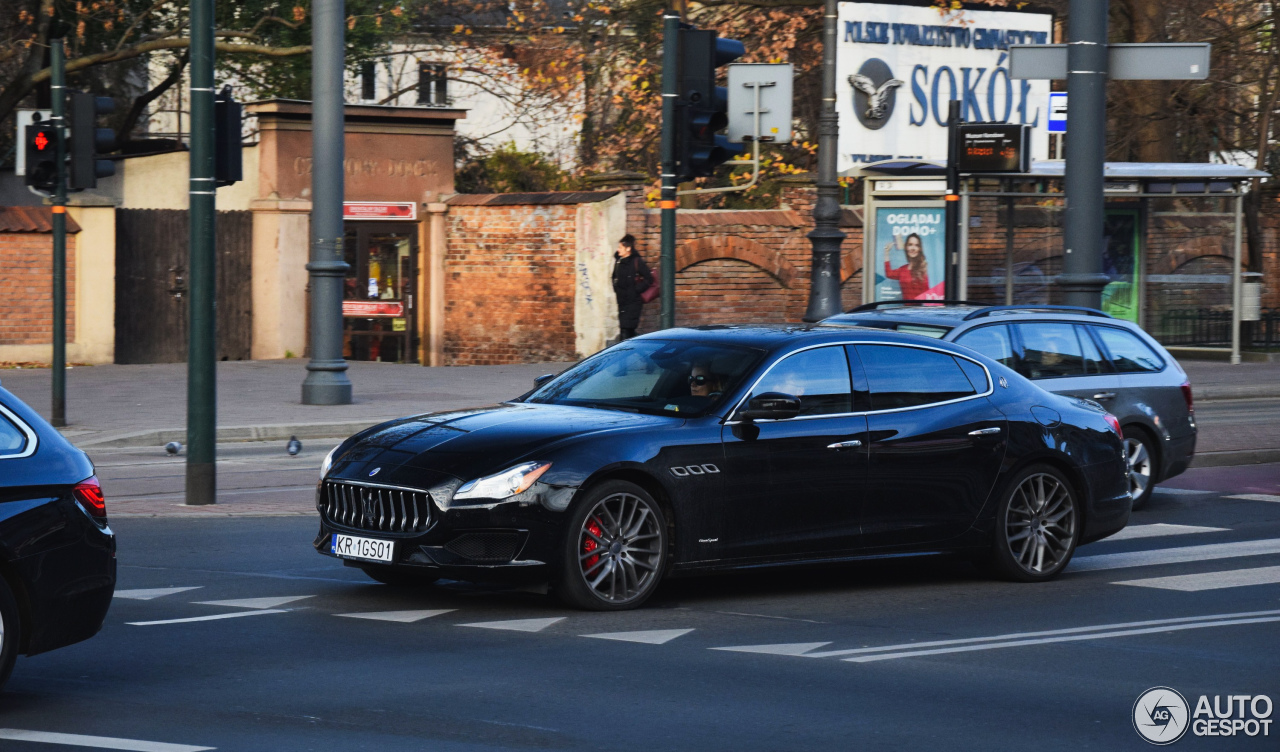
(703,383)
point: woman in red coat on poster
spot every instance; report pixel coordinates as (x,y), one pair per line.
(913,276)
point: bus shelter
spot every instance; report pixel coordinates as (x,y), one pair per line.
(1172,244)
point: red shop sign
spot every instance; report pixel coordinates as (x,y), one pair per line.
(379,210)
(369,308)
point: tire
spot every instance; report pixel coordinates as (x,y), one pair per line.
(397,577)
(1037,526)
(10,631)
(615,549)
(1140,452)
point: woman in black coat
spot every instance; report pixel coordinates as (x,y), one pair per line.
(631,277)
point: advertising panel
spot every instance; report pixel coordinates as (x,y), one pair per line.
(898,67)
(910,251)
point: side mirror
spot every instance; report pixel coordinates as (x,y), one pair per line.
(544,378)
(771,406)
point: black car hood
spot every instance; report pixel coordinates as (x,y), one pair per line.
(467,444)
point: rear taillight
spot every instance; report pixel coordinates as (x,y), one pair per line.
(1114,422)
(89,494)
(1186,395)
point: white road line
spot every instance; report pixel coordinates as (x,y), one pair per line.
(1071,638)
(1045,633)
(403,617)
(1194,583)
(256,602)
(517,625)
(648,637)
(150,593)
(1180,491)
(97,742)
(214,617)
(791,648)
(1161,529)
(1157,556)
(1256,497)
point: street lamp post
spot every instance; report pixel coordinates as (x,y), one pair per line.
(326,382)
(824,275)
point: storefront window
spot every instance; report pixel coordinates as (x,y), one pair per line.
(378,293)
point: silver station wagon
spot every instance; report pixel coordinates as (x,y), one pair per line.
(1079,352)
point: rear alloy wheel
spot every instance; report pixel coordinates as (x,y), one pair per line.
(396,576)
(615,549)
(1138,451)
(10,631)
(1037,526)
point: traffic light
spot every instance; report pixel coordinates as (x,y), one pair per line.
(88,141)
(227,129)
(705,106)
(42,167)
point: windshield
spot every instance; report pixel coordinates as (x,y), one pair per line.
(662,377)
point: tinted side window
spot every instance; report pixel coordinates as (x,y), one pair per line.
(976,373)
(992,341)
(1050,350)
(12,441)
(908,377)
(819,377)
(1128,353)
(1093,361)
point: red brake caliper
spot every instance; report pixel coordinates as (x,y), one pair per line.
(590,545)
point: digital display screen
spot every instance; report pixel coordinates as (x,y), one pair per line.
(993,147)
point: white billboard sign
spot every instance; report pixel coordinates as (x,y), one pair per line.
(898,67)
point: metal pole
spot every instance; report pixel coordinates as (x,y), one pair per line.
(962,253)
(202,392)
(826,237)
(1082,279)
(57,60)
(326,382)
(1008,245)
(1236,282)
(951,212)
(667,201)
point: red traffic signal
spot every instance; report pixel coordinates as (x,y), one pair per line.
(41,140)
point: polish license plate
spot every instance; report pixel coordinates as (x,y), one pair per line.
(351,547)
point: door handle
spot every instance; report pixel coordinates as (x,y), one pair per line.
(1104,395)
(985,432)
(845,445)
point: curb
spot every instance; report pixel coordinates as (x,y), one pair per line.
(1236,457)
(225,434)
(1226,393)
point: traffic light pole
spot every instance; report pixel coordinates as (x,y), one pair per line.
(326,382)
(667,202)
(58,86)
(826,237)
(951,213)
(202,343)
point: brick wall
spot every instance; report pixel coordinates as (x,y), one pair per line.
(26,288)
(509,284)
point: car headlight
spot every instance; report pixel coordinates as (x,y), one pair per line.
(504,484)
(328,462)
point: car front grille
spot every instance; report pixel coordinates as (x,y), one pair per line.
(378,509)
(490,547)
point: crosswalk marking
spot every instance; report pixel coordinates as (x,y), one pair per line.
(150,593)
(1046,633)
(1064,638)
(648,637)
(1161,529)
(1194,583)
(792,648)
(403,617)
(1256,497)
(517,625)
(1156,556)
(97,742)
(270,602)
(214,617)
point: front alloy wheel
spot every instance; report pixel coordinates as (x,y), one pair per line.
(618,543)
(1037,524)
(1140,468)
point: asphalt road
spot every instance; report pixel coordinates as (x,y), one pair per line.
(911,654)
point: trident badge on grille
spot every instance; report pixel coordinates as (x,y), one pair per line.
(370,504)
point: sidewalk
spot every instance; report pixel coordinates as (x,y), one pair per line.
(111,407)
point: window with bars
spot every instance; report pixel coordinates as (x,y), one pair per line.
(368,82)
(433,84)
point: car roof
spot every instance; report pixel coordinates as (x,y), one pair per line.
(773,337)
(952,316)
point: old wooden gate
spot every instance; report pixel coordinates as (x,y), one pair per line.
(151,285)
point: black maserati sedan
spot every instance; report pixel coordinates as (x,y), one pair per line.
(57,553)
(711,448)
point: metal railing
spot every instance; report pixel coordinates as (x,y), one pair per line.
(1205,327)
